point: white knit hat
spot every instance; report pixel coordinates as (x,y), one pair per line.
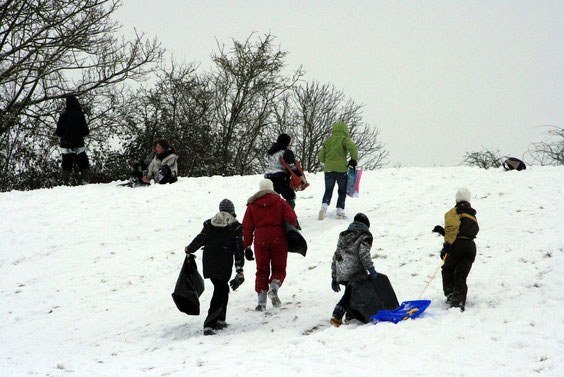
(463,195)
(266,184)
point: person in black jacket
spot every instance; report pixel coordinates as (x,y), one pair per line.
(222,239)
(72,129)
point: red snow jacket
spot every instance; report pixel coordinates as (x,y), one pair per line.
(266,212)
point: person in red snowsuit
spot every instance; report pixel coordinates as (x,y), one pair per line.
(265,214)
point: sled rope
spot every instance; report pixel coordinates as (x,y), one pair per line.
(432,277)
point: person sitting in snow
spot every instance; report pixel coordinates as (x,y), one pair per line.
(459,249)
(351,259)
(263,221)
(163,169)
(222,239)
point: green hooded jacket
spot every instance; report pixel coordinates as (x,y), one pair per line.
(333,153)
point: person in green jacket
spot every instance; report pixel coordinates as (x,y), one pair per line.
(333,155)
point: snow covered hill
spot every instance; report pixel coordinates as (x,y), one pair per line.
(86,275)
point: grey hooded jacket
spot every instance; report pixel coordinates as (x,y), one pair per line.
(352,257)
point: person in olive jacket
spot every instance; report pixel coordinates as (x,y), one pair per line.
(333,155)
(459,249)
(222,239)
(72,128)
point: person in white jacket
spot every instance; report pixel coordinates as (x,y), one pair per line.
(163,168)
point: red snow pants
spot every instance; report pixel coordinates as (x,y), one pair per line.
(271,254)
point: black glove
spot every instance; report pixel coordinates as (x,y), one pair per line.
(352,163)
(249,254)
(237,280)
(445,250)
(335,286)
(439,229)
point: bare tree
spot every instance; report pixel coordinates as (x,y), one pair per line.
(484,159)
(550,152)
(308,114)
(50,49)
(247,81)
(179,109)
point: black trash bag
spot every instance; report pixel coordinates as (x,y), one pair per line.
(189,287)
(368,297)
(296,242)
(513,163)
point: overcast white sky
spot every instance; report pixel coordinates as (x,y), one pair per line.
(438,78)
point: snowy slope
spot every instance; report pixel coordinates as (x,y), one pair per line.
(86,275)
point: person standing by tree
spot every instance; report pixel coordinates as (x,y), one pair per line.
(333,155)
(72,129)
(263,221)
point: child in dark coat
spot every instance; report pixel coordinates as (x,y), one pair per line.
(351,259)
(222,239)
(461,227)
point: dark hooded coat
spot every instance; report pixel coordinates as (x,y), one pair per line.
(72,127)
(222,239)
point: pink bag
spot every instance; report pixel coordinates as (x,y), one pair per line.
(353,182)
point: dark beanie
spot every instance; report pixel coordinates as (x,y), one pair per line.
(362,218)
(226,205)
(284,139)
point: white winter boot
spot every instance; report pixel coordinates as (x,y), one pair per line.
(322,211)
(261,307)
(273,293)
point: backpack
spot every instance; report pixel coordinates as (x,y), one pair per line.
(513,163)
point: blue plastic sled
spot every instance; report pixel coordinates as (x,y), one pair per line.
(407,309)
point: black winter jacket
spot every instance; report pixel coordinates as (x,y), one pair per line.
(71,127)
(222,239)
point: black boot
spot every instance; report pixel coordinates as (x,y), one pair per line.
(85,175)
(338,312)
(66,177)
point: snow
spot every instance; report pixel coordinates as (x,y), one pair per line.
(86,275)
